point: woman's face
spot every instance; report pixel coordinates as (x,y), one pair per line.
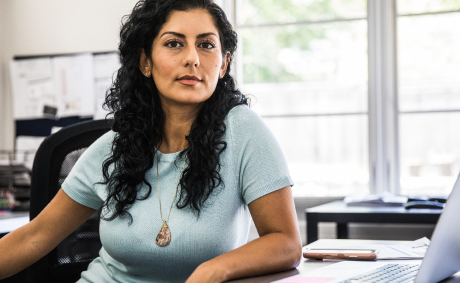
(186,60)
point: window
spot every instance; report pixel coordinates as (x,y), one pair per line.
(429,94)
(361,95)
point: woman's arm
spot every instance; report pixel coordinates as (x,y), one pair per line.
(279,247)
(26,245)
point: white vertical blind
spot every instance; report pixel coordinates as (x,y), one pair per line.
(383,137)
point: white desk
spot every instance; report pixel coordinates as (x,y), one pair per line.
(307,265)
(10,221)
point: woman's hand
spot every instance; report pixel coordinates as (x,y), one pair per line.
(207,272)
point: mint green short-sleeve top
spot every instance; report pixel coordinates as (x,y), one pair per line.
(253,165)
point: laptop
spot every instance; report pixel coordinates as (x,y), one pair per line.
(441,261)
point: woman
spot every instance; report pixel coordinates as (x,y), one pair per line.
(186,165)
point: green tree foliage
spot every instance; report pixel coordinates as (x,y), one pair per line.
(263,41)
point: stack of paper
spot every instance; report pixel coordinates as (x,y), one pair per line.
(375,200)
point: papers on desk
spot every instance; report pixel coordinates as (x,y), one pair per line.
(411,250)
(375,200)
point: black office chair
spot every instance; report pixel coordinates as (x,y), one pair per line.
(53,161)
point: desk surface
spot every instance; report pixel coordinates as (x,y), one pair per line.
(341,207)
(307,265)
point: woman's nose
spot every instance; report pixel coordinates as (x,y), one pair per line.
(191,57)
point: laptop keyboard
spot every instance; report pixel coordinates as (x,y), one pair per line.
(394,273)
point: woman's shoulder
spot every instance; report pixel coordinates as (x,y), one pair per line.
(242,114)
(245,124)
(103,144)
(105,139)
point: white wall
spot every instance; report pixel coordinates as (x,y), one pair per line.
(3,109)
(42,27)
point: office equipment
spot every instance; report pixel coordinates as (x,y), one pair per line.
(424,204)
(441,199)
(308,265)
(438,199)
(53,162)
(392,272)
(342,214)
(354,271)
(441,260)
(14,183)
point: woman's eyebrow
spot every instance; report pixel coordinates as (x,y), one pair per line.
(201,35)
(174,33)
(206,34)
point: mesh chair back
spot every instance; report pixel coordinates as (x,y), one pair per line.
(53,162)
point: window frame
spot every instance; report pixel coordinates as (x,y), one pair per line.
(383,111)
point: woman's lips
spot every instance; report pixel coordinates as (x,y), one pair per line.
(189,80)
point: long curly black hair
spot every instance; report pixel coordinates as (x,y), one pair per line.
(139,119)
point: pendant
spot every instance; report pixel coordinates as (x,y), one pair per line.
(164,237)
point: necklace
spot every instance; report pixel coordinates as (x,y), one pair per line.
(164,236)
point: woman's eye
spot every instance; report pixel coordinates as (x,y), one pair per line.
(207,45)
(173,44)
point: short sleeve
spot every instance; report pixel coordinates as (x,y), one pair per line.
(81,183)
(261,164)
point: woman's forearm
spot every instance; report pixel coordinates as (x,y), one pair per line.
(17,251)
(27,244)
(270,253)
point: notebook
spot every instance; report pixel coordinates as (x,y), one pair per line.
(441,261)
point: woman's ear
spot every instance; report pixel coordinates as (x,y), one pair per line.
(144,63)
(223,68)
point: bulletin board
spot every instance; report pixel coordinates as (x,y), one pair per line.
(55,91)
(59,90)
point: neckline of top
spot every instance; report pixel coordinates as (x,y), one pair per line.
(167,157)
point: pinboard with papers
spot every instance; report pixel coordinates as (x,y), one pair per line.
(60,86)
